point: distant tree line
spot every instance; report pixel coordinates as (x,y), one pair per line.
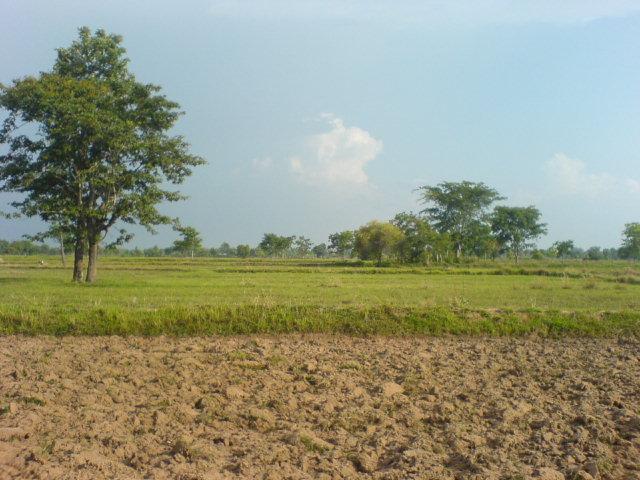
(456,223)
(26,247)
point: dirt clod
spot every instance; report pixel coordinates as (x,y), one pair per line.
(389,389)
(546,473)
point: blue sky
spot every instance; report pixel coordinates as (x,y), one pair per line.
(317,116)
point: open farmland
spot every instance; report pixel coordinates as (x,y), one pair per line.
(209,296)
(483,371)
(317,406)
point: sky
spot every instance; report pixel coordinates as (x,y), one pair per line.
(319,116)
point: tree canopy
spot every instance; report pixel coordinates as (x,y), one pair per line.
(376,239)
(98,152)
(342,243)
(515,227)
(458,208)
(420,239)
(275,245)
(563,248)
(189,242)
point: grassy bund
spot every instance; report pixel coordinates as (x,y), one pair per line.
(169,296)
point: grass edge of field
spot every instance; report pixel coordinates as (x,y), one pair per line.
(206,320)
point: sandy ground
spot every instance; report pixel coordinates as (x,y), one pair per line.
(319,407)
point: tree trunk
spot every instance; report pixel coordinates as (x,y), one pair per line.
(78,259)
(62,257)
(92,267)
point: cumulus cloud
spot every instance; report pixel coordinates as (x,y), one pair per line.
(471,12)
(338,156)
(570,176)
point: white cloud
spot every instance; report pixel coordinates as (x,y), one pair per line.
(336,157)
(570,176)
(633,185)
(469,12)
(263,163)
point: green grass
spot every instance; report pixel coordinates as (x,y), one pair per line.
(135,296)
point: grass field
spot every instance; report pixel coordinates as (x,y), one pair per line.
(230,296)
(137,382)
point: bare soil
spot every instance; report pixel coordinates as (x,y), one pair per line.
(319,407)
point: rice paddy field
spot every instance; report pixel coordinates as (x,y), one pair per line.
(231,296)
(216,369)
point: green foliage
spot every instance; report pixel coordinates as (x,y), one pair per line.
(25,247)
(459,209)
(243,251)
(189,242)
(302,246)
(101,153)
(225,250)
(275,245)
(631,241)
(342,243)
(320,250)
(515,227)
(421,243)
(594,253)
(376,240)
(563,249)
(480,242)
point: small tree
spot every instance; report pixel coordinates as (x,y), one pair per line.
(594,253)
(275,245)
(376,240)
(342,243)
(563,249)
(631,241)
(515,227)
(225,250)
(243,251)
(190,241)
(302,246)
(320,250)
(419,238)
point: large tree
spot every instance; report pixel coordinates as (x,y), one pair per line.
(459,209)
(515,227)
(375,240)
(95,150)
